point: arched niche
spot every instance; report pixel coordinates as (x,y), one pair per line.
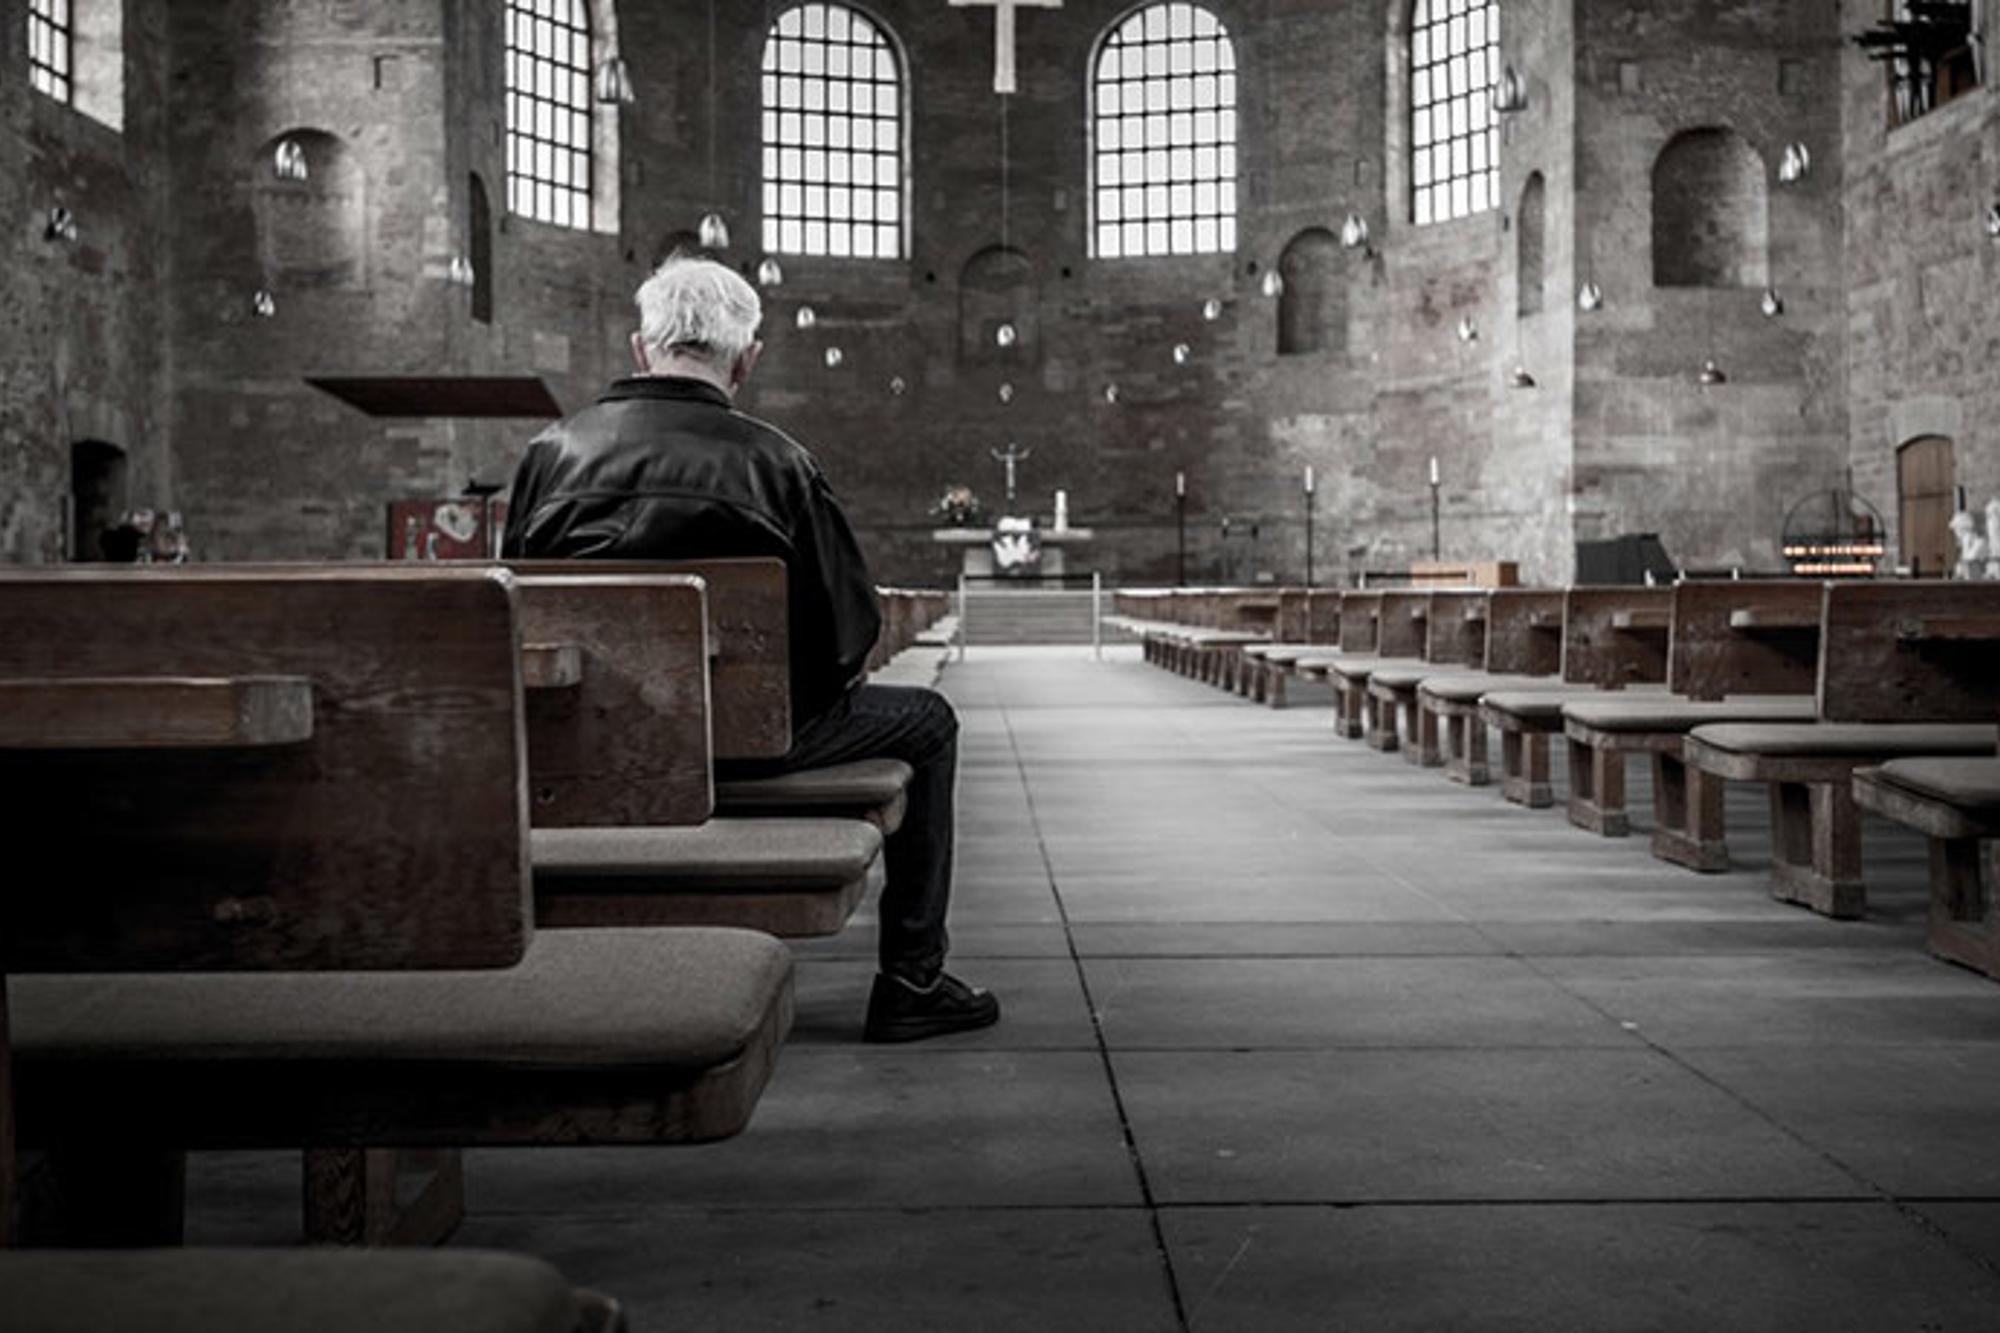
(1711,212)
(312,232)
(1312,311)
(479,231)
(1531,226)
(996,287)
(98,498)
(1926,498)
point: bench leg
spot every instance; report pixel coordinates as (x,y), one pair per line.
(1964,927)
(92,1197)
(1347,710)
(1274,686)
(1816,848)
(351,1196)
(1597,790)
(1379,722)
(1421,726)
(1689,827)
(1524,769)
(1465,749)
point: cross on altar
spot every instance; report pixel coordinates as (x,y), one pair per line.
(1003,35)
(1013,458)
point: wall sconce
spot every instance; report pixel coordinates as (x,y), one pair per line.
(713,232)
(288,161)
(614,82)
(1795,165)
(263,305)
(806,319)
(1993,222)
(1711,374)
(1520,379)
(1468,330)
(61,226)
(1354,234)
(1590,298)
(1006,394)
(1182,352)
(1211,310)
(1510,94)
(770,273)
(835,358)
(1006,336)
(459,272)
(1773,305)
(1274,284)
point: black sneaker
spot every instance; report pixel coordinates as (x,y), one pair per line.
(901,1011)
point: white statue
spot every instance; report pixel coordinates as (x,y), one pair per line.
(1993,538)
(1971,545)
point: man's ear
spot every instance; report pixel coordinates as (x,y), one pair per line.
(739,374)
(639,356)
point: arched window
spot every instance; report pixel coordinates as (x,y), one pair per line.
(1164,135)
(1531,245)
(51,45)
(479,226)
(833,136)
(1454,135)
(1711,212)
(548,111)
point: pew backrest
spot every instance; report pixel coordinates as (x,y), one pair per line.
(627,743)
(1360,621)
(1614,637)
(1910,652)
(387,832)
(1455,628)
(1404,620)
(749,644)
(1322,617)
(1750,637)
(1524,632)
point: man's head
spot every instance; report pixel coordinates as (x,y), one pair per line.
(698,318)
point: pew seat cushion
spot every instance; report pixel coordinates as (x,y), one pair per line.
(1361,668)
(864,789)
(1402,675)
(1669,714)
(596,1036)
(282,1291)
(1471,687)
(745,855)
(1847,740)
(1969,785)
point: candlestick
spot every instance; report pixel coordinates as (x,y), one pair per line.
(1434,471)
(1309,481)
(1180,483)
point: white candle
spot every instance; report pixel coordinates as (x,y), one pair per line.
(1180,484)
(1309,481)
(1434,471)
(1062,511)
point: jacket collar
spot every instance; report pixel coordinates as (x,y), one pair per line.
(664,388)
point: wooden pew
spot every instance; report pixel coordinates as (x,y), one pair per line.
(1928,653)
(393,836)
(1613,639)
(1523,652)
(1403,619)
(1735,655)
(1454,636)
(1360,636)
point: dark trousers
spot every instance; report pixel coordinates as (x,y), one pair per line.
(918,727)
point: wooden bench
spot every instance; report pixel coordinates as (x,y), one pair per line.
(1613,639)
(1736,653)
(1309,621)
(394,836)
(1928,652)
(1360,636)
(1403,621)
(1523,652)
(1454,637)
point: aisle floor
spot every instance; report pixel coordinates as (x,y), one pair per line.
(1298,1036)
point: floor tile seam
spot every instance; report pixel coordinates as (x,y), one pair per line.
(653,1212)
(1388,1202)
(1163,1251)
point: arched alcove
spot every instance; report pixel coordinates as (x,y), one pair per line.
(97,488)
(1926,498)
(996,287)
(479,229)
(1711,212)
(312,232)
(1312,311)
(1530,245)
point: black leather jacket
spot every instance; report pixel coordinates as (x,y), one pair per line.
(666,469)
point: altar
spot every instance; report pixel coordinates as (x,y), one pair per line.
(981,558)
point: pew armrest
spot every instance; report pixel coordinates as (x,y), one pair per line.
(1639,621)
(1752,621)
(155,713)
(551,666)
(1949,629)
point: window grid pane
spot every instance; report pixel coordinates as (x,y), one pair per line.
(1454,133)
(1164,180)
(50,43)
(833,136)
(548,111)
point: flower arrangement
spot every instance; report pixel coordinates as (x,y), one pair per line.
(959,507)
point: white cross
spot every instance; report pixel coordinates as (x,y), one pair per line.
(1003,35)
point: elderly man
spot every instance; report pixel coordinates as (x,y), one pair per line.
(663,467)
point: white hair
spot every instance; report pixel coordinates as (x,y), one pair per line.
(699,308)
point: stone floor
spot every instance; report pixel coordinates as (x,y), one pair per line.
(1300,1037)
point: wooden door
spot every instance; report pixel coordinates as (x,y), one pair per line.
(1926,484)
